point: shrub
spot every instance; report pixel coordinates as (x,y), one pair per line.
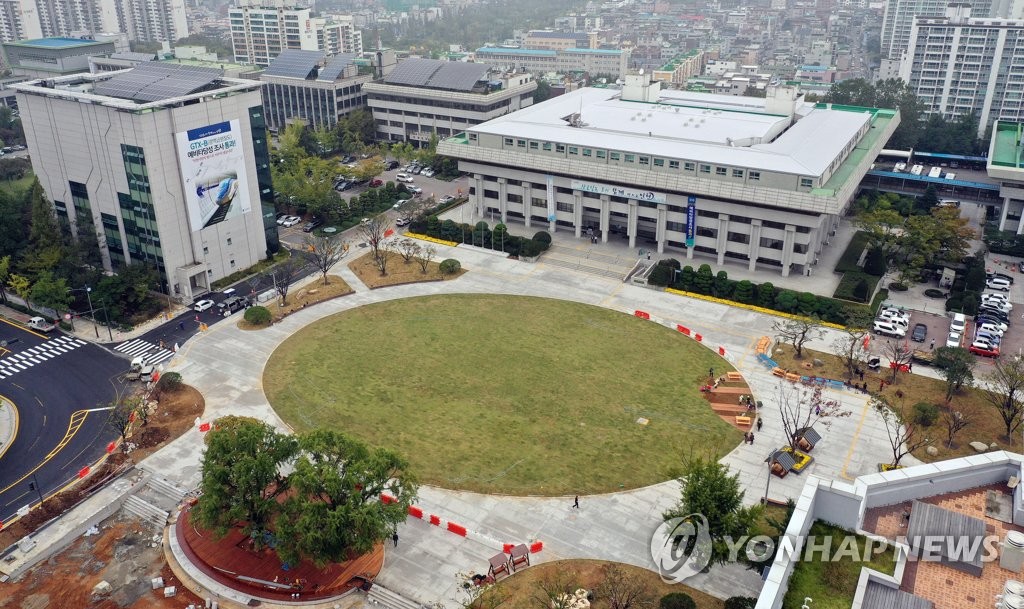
(169,382)
(450,266)
(850,257)
(934,293)
(744,292)
(898,287)
(875,263)
(954,303)
(740,602)
(860,291)
(677,600)
(926,414)
(660,275)
(257,316)
(543,237)
(531,248)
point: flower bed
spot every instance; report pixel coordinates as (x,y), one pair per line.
(802,459)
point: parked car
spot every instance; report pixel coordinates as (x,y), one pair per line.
(991,319)
(447,198)
(281,218)
(920,332)
(399,203)
(990,329)
(232,304)
(953,340)
(202,305)
(958,324)
(997,305)
(402,221)
(984,350)
(405,178)
(991,339)
(999,314)
(311,225)
(376,182)
(391,165)
(416,190)
(998,283)
(995,275)
(416,169)
(291,221)
(429,172)
(889,329)
(1002,296)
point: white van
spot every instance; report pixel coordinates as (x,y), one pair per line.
(998,283)
(404,177)
(888,328)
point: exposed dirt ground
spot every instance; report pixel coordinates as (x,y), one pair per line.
(127,554)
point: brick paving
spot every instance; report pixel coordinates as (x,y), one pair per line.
(943,585)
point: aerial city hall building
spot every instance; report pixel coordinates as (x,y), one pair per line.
(759,181)
(165,164)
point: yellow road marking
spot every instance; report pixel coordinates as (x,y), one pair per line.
(74,424)
(14,434)
(21,327)
(853,442)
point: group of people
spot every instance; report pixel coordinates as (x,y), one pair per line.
(748,438)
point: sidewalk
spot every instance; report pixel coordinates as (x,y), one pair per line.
(88,330)
(613,527)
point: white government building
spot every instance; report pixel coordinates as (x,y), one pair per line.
(763,182)
(164,164)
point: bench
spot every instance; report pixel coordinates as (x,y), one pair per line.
(779,372)
(762,345)
(733,376)
(743,421)
(793,377)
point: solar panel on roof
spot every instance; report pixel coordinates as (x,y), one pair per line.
(294,63)
(335,67)
(458,76)
(414,72)
(153,81)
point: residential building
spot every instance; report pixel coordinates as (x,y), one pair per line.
(312,87)
(164,165)
(899,18)
(604,62)
(681,67)
(957,65)
(759,181)
(46,57)
(143,20)
(954,529)
(556,41)
(1006,166)
(337,34)
(153,20)
(421,97)
(260,33)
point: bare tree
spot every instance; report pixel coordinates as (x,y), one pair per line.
(325,252)
(383,257)
(122,415)
(408,249)
(374,232)
(798,331)
(624,590)
(555,591)
(1004,390)
(900,354)
(905,436)
(283,275)
(849,346)
(252,282)
(426,255)
(955,420)
(802,406)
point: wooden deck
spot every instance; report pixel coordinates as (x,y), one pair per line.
(724,402)
(261,574)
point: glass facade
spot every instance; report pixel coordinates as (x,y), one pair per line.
(138,214)
(258,128)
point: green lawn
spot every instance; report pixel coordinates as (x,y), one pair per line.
(21,184)
(504,394)
(832,584)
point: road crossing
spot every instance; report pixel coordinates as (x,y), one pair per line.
(152,354)
(19,361)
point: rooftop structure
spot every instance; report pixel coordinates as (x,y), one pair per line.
(436,74)
(312,87)
(611,62)
(53,56)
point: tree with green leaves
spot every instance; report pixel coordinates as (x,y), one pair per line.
(307,183)
(542,92)
(21,285)
(51,292)
(709,489)
(5,274)
(243,477)
(335,509)
(956,365)
(46,250)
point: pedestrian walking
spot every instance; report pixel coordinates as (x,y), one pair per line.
(751,437)
(861,373)
(394,538)
(759,423)
(181,325)
(576,503)
(931,347)
(817,410)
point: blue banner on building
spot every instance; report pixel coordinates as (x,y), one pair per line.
(691,220)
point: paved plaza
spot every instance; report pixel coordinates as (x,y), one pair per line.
(226,365)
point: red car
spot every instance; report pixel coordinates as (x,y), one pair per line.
(377,182)
(992,352)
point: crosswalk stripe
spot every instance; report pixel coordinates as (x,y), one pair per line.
(160,356)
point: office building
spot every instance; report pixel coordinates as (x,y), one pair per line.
(311,87)
(421,97)
(163,165)
(46,57)
(556,41)
(260,33)
(612,63)
(957,65)
(762,182)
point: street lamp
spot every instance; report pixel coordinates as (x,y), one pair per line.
(34,486)
(768,480)
(88,297)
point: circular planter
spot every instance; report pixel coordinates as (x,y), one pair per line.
(933,293)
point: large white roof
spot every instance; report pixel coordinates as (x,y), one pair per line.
(716,129)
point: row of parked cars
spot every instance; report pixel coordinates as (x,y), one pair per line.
(895,322)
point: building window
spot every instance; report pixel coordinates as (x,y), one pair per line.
(535,202)
(755,176)
(630,158)
(560,206)
(490,194)
(472,137)
(547,146)
(659,162)
(806,183)
(560,148)
(645,160)
(689,166)
(514,198)
(534,146)
(705,168)
(601,154)
(673,164)
(206,250)
(587,152)
(738,237)
(574,150)
(614,156)
(737,173)
(719,171)
(704,231)
(521,143)
(772,244)
(508,141)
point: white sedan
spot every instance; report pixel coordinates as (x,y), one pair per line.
(291,221)
(202,305)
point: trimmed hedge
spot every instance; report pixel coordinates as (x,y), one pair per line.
(481,235)
(849,287)
(848,261)
(449,266)
(677,600)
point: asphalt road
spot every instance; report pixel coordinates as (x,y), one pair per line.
(54,382)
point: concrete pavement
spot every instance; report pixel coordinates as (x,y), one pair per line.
(616,526)
(8,425)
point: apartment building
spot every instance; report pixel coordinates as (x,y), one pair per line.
(681,67)
(312,87)
(604,62)
(759,181)
(421,97)
(260,33)
(338,34)
(144,20)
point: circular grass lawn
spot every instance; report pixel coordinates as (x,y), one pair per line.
(500,394)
